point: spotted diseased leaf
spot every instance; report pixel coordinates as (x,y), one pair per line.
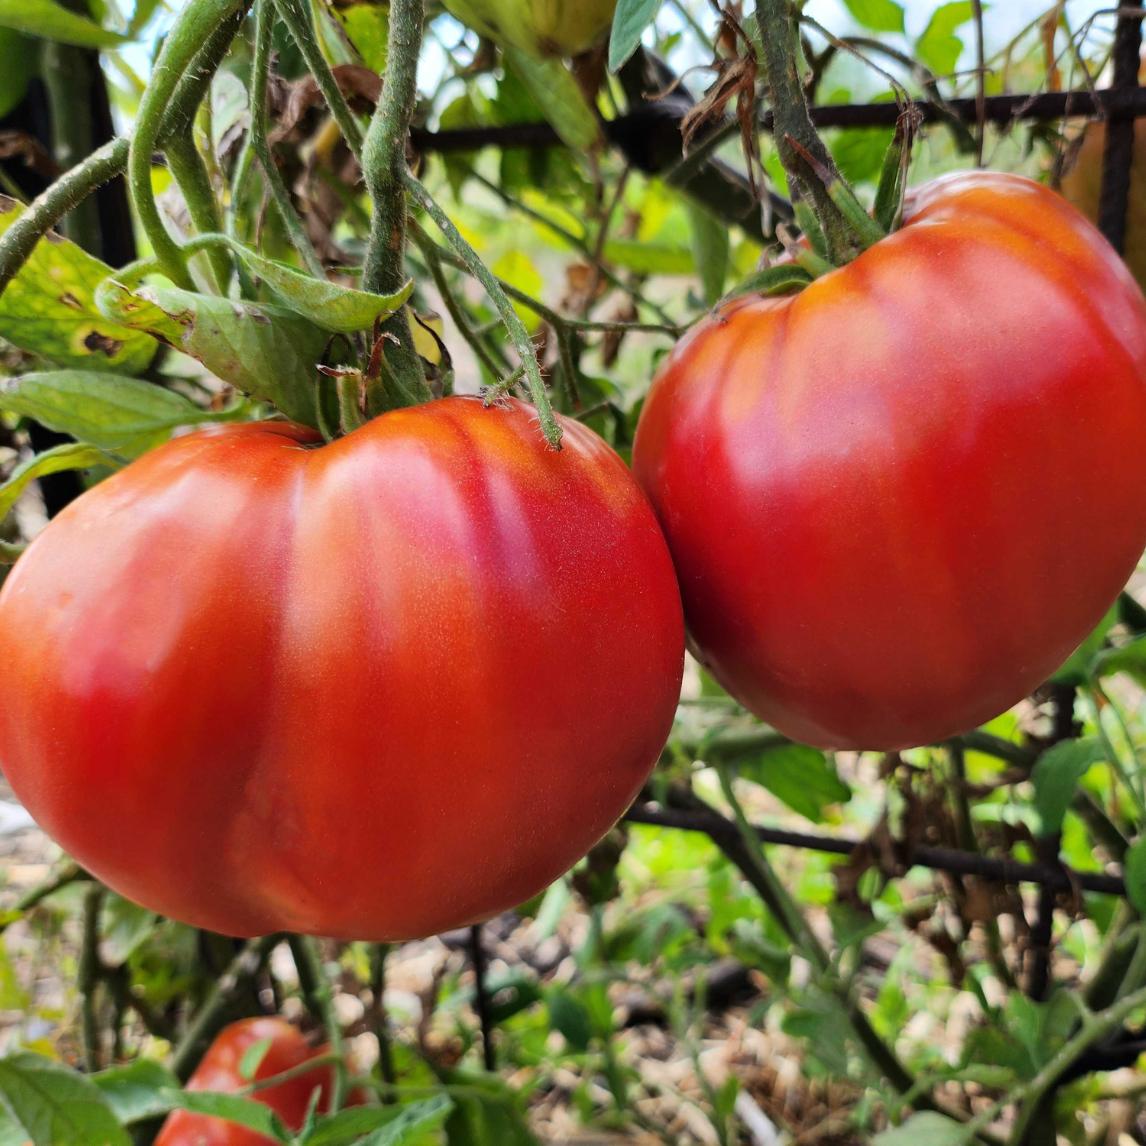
(267,351)
(49,308)
(52,1104)
(123,415)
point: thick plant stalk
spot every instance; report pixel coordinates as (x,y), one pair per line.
(384,167)
(810,168)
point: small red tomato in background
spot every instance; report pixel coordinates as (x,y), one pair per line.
(375,689)
(221,1070)
(898,500)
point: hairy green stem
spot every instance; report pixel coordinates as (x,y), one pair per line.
(46,210)
(518,335)
(260,72)
(384,167)
(190,173)
(193,28)
(296,14)
(801,150)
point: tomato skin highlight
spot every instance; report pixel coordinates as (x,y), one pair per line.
(372,690)
(897,501)
(220,1071)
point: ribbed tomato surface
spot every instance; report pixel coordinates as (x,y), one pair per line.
(899,499)
(373,689)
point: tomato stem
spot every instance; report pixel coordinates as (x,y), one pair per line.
(811,169)
(384,168)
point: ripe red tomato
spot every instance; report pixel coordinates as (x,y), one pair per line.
(372,690)
(220,1070)
(898,500)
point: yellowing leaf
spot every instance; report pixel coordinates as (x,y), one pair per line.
(49,308)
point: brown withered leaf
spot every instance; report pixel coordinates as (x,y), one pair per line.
(358,84)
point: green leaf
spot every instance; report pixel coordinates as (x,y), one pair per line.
(123,415)
(1129,658)
(139,1091)
(354,1124)
(939,48)
(341,309)
(126,927)
(771,281)
(1056,776)
(878,15)
(70,456)
(233,1108)
(570,1017)
(49,308)
(629,23)
(19,55)
(412,1122)
(264,350)
(367,27)
(1134,872)
(710,251)
(252,1058)
(804,778)
(558,95)
(925,1129)
(51,21)
(647,258)
(54,1105)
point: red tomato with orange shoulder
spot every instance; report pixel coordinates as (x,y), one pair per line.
(374,689)
(899,499)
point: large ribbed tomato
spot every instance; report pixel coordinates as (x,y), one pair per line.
(898,500)
(372,689)
(221,1070)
